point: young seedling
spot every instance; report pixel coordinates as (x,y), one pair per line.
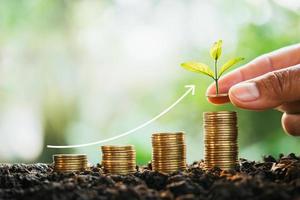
(215,53)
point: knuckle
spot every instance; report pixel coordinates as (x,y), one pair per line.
(280,81)
(275,82)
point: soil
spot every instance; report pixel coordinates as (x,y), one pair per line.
(270,179)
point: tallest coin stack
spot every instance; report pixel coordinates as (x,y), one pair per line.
(220,139)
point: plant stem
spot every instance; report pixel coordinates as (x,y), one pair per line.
(216,77)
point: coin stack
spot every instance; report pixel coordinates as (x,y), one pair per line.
(119,159)
(168,152)
(220,139)
(70,162)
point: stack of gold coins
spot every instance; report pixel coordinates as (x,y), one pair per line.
(220,139)
(168,152)
(119,159)
(70,162)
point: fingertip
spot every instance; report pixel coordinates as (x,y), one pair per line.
(213,98)
(211,89)
(234,100)
(290,124)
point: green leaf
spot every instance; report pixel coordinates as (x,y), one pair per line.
(216,50)
(229,64)
(198,68)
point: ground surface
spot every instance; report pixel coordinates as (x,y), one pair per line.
(270,179)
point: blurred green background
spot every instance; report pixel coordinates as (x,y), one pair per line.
(79,71)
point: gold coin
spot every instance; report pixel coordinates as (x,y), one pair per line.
(115,164)
(107,164)
(119,171)
(168,168)
(168,134)
(119,167)
(207,154)
(220,139)
(220,132)
(220,146)
(118,155)
(174,157)
(115,168)
(115,147)
(155,161)
(119,159)
(221,154)
(168,143)
(64,163)
(70,162)
(69,155)
(229,137)
(118,150)
(168,152)
(69,168)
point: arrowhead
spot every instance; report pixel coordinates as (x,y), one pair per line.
(191,88)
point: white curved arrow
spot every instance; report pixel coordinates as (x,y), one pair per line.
(191,89)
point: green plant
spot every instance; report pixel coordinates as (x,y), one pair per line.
(215,53)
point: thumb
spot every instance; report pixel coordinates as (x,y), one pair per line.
(268,91)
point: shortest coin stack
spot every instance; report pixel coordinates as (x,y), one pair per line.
(119,159)
(168,152)
(70,162)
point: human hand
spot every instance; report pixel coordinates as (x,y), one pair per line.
(269,81)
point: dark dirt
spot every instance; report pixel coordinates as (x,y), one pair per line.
(270,179)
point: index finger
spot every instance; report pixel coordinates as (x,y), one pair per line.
(279,59)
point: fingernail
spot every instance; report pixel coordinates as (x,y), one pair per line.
(245,91)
